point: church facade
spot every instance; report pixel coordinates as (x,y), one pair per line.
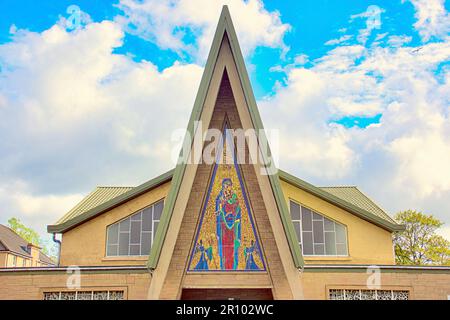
(226,229)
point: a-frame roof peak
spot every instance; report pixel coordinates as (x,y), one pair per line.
(224,32)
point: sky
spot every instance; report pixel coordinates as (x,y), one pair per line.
(90,92)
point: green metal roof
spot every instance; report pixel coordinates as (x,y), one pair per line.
(97,197)
(354,196)
(97,207)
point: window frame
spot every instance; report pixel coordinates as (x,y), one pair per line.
(129,256)
(301,242)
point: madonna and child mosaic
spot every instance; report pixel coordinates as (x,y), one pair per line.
(226,238)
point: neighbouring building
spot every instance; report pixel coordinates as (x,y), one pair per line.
(226,229)
(16,252)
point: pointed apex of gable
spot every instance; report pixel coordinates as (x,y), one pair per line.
(224,58)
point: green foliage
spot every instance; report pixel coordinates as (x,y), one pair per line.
(419,244)
(27,233)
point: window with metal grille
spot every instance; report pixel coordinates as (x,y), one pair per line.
(316,234)
(133,236)
(85,295)
(367,294)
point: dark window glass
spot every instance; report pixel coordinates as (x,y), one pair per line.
(158,210)
(319,249)
(297,230)
(320,235)
(125,225)
(307,242)
(112,250)
(295,211)
(318,231)
(136,217)
(330,243)
(147,219)
(146,243)
(135,249)
(341,249)
(135,236)
(340,233)
(328,224)
(317,217)
(306,219)
(124,243)
(113,234)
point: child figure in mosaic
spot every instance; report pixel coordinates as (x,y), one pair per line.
(205,256)
(228,225)
(250,263)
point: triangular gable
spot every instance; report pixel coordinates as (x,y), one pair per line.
(225,57)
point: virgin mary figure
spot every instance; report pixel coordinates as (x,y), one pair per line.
(228,226)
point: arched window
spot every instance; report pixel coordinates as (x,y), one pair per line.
(318,235)
(133,236)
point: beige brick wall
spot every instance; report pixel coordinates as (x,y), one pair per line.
(31,285)
(421,285)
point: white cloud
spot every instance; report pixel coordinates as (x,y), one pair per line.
(173,24)
(444,231)
(307,142)
(433,20)
(340,40)
(402,161)
(33,209)
(79,115)
(298,61)
(398,41)
(373,21)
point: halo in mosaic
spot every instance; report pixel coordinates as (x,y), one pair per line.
(226,239)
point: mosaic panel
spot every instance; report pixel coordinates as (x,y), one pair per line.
(226,239)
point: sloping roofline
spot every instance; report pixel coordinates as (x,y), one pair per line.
(108,205)
(322,194)
(224,29)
